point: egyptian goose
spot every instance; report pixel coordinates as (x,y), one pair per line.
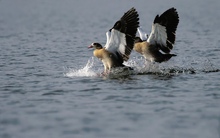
(157,47)
(120,41)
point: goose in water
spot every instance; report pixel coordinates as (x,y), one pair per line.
(157,46)
(120,41)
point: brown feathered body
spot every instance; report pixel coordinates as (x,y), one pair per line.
(108,59)
(151,52)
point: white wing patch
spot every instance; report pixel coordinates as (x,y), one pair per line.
(142,34)
(116,43)
(108,35)
(158,35)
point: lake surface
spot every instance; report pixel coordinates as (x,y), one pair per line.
(50,88)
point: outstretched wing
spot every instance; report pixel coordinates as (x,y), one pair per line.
(122,34)
(164,29)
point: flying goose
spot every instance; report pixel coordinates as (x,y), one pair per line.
(157,46)
(120,41)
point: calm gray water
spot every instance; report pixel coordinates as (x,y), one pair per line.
(49,87)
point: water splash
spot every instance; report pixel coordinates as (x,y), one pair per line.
(141,67)
(86,71)
(173,67)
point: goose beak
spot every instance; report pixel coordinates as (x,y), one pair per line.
(90,46)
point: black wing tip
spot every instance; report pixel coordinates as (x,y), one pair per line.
(132,9)
(168,16)
(130,19)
